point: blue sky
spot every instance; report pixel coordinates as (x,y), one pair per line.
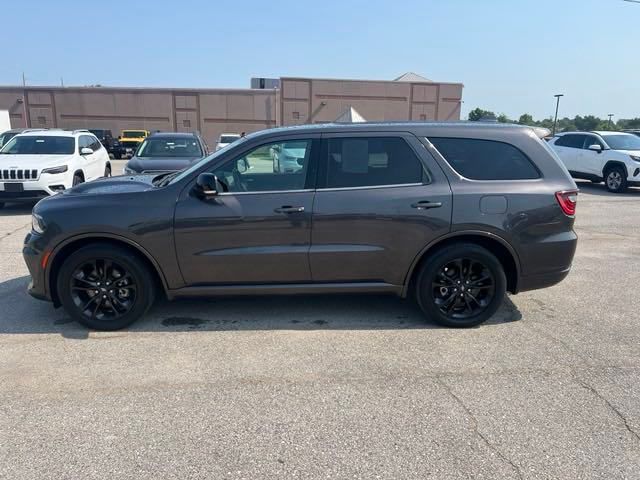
(511,55)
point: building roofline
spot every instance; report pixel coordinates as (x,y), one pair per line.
(394,82)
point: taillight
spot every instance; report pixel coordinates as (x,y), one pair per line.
(567,200)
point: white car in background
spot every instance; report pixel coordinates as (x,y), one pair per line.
(612,157)
(37,164)
(227,139)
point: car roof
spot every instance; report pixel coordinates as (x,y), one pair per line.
(609,132)
(54,132)
(173,134)
(420,128)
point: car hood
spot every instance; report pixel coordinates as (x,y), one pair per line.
(635,153)
(33,161)
(161,164)
(123,184)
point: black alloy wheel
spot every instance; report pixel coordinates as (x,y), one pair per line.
(103,290)
(461,285)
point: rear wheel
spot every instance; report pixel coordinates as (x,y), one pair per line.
(105,287)
(461,285)
(616,180)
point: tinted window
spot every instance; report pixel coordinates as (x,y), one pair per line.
(84,141)
(270,167)
(572,141)
(364,162)
(229,138)
(170,147)
(134,134)
(591,140)
(485,159)
(39,145)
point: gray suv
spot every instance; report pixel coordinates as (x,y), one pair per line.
(452,214)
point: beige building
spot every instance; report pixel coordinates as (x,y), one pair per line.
(293,101)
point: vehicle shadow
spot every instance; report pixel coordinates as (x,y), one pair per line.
(11,209)
(600,190)
(25,315)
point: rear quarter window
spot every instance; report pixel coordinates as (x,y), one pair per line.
(485,159)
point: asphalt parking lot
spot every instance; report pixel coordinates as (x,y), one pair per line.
(334,387)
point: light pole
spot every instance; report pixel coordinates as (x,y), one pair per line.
(609,124)
(555,122)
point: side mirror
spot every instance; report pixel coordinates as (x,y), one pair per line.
(86,151)
(208,186)
(242,165)
(595,147)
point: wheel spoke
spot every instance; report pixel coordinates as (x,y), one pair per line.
(97,307)
(91,300)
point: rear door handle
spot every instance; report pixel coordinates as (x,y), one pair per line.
(426,204)
(289,209)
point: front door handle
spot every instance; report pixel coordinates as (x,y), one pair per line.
(289,209)
(426,204)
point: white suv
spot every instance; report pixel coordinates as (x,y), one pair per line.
(612,157)
(37,164)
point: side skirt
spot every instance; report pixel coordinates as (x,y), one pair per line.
(284,289)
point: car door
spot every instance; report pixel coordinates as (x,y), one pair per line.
(569,149)
(256,232)
(591,161)
(90,162)
(381,198)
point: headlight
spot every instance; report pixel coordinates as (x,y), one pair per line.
(635,157)
(37,223)
(54,170)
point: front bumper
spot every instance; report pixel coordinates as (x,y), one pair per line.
(33,256)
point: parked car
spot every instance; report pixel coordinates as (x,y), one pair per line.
(289,159)
(130,140)
(612,157)
(635,132)
(455,214)
(38,164)
(227,139)
(106,139)
(9,134)
(166,152)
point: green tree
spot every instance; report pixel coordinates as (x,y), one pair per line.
(478,114)
(502,118)
(526,119)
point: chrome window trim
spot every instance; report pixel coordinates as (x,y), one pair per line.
(226,194)
(371,187)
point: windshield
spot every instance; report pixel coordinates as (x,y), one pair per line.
(229,138)
(5,137)
(39,145)
(169,147)
(134,134)
(196,166)
(624,141)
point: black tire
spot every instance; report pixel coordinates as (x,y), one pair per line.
(615,179)
(107,171)
(77,180)
(443,295)
(125,286)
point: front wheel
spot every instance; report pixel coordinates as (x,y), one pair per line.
(77,180)
(107,171)
(461,285)
(616,180)
(105,287)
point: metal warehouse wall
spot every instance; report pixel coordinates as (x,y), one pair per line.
(214,111)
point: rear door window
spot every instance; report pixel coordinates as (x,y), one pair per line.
(571,141)
(485,159)
(369,161)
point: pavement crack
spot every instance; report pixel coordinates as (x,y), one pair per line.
(476,428)
(611,406)
(6,235)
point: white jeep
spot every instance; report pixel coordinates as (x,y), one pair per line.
(36,164)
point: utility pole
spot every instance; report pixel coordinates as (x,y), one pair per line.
(555,122)
(609,124)
(24,101)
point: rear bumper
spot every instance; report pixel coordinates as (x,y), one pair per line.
(542,280)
